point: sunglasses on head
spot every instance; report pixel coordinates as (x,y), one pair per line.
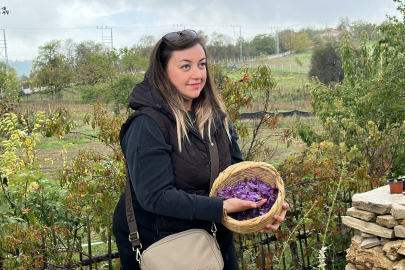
(176,35)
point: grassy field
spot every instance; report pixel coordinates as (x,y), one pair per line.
(291,91)
(297,63)
(274,138)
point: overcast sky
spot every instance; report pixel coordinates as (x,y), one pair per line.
(31,23)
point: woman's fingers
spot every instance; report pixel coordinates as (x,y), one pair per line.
(236,205)
(278,220)
(262,202)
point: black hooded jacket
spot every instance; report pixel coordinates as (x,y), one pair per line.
(170,188)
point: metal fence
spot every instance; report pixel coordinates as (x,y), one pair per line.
(258,251)
(254,251)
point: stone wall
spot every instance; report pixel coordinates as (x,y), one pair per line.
(379,219)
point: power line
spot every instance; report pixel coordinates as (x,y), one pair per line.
(277,38)
(79,28)
(240,39)
(53,28)
(3,51)
(123,27)
(141,27)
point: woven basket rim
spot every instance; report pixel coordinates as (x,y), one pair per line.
(251,225)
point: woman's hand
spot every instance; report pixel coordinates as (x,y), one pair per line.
(279,219)
(237,205)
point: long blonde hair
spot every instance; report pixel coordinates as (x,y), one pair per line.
(204,106)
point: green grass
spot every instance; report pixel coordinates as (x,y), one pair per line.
(291,90)
(274,137)
(281,65)
(68,141)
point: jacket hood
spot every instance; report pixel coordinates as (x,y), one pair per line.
(145,94)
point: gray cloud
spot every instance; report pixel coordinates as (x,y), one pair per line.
(157,17)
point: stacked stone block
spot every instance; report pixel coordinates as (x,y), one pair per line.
(379,219)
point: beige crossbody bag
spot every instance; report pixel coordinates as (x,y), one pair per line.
(192,249)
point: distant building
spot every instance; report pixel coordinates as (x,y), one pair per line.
(334,33)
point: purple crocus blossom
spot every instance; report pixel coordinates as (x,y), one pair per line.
(251,190)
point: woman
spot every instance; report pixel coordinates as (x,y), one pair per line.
(178,110)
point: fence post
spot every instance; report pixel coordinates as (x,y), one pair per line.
(45,265)
(294,254)
(336,258)
(263,260)
(53,228)
(283,255)
(67,239)
(109,251)
(80,251)
(240,248)
(89,242)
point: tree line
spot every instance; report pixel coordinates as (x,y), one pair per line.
(99,72)
(326,62)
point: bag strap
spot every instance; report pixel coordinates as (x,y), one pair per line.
(129,209)
(214,160)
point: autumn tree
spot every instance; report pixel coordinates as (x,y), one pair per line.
(326,64)
(92,66)
(132,60)
(110,75)
(285,38)
(145,45)
(263,44)
(344,23)
(51,69)
(300,42)
(222,46)
(8,82)
(359,26)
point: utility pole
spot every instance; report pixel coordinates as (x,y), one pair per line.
(3,53)
(108,40)
(3,48)
(240,39)
(179,25)
(276,38)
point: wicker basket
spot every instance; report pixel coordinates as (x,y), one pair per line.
(249,169)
